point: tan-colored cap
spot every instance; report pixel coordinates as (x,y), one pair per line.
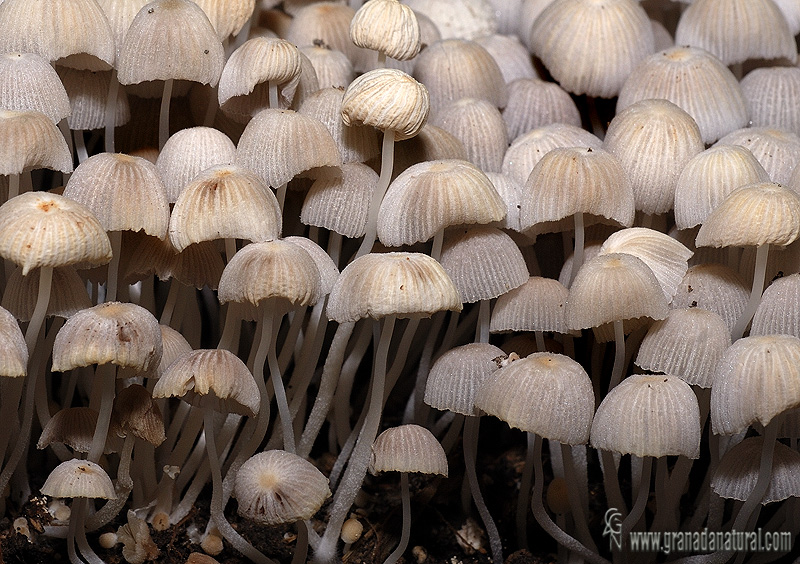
(29,139)
(227,16)
(222,202)
(171,39)
(387,99)
(341,203)
(14,360)
(123,334)
(88,97)
(42,229)
(79,478)
(400,284)
(408,448)
(738,471)
(276,487)
(74,427)
(387,26)
(213,378)
(536,305)
(544,393)
(136,413)
(69,297)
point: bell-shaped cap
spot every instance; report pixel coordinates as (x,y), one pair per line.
(544,393)
(14,352)
(387,99)
(537,305)
(211,378)
(22,293)
(28,82)
(387,26)
(137,414)
(276,486)
(649,415)
(79,478)
(757,379)
(171,39)
(408,448)
(779,310)
(123,334)
(42,229)
(400,284)
(28,140)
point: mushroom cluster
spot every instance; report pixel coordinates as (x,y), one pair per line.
(268,246)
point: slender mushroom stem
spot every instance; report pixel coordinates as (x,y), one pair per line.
(387,163)
(471,426)
(759,274)
(406,532)
(577,255)
(113,267)
(163,118)
(111,111)
(525,492)
(619,355)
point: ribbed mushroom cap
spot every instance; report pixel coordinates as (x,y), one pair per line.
(591,46)
(452,69)
(280,144)
(48,29)
(356,143)
(737,30)
(120,14)
(433,195)
(649,415)
(108,184)
(229,16)
(431,144)
(174,344)
(88,97)
(791,11)
(64,232)
(537,305)
(214,378)
(341,203)
(387,26)
(123,334)
(737,472)
(757,214)
(387,99)
(198,265)
(708,178)
(271,269)
(28,82)
(480,127)
(455,377)
(695,81)
(768,92)
(328,22)
(666,257)
(22,292)
(688,344)
(189,152)
(777,150)
(328,271)
(613,287)
(276,487)
(534,103)
(244,84)
(171,39)
(458,18)
(509,191)
(14,357)
(574,180)
(483,263)
(223,202)
(544,393)
(653,140)
(779,310)
(757,379)
(74,427)
(401,284)
(333,68)
(136,413)
(29,139)
(527,150)
(714,287)
(79,478)
(511,56)
(408,448)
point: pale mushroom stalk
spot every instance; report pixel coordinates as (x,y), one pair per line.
(306,360)
(113,267)
(421,409)
(484,317)
(106,376)
(78,535)
(762,251)
(111,111)
(327,386)
(471,426)
(357,467)
(577,257)
(268,320)
(163,117)
(217,510)
(406,532)
(301,545)
(619,355)
(31,338)
(341,410)
(387,163)
(639,505)
(575,501)
(525,491)
(124,487)
(542,517)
